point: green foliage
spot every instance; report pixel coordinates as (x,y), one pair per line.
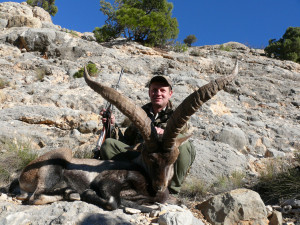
(225,48)
(145,21)
(287,47)
(91,68)
(48,5)
(190,39)
(106,33)
(14,156)
(178,46)
(73,33)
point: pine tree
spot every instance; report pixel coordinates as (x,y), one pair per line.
(48,5)
(146,21)
(287,47)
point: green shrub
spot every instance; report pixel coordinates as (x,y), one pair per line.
(106,33)
(287,47)
(190,39)
(225,48)
(92,69)
(73,33)
(194,189)
(282,186)
(227,183)
(179,47)
(279,181)
(14,156)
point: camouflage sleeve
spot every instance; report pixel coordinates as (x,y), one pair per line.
(116,133)
(131,135)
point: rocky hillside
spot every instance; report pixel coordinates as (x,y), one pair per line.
(255,120)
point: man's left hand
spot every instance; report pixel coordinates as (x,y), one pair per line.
(159,131)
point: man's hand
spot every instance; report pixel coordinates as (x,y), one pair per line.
(104,119)
(159,131)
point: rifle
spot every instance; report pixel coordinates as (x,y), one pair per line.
(106,129)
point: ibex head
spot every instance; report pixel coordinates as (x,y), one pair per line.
(160,155)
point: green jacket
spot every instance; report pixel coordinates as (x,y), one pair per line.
(132,135)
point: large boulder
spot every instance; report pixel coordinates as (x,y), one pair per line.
(232,136)
(214,160)
(240,206)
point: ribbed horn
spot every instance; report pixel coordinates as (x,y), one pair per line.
(135,113)
(190,105)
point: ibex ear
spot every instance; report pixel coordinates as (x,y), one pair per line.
(180,140)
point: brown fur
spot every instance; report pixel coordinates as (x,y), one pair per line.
(57,176)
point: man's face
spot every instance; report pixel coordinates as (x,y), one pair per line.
(160,94)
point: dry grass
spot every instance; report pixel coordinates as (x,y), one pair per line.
(14,156)
(280,181)
(196,190)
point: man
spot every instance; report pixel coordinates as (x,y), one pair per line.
(159,111)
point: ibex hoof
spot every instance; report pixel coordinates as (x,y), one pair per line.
(74,197)
(23,196)
(112,204)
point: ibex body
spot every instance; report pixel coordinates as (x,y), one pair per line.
(56,175)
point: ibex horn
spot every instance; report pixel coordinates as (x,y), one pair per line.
(135,113)
(190,105)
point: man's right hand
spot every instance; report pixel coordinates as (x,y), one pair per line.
(104,119)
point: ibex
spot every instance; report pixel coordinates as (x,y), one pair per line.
(56,175)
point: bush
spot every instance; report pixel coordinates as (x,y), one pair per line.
(91,68)
(194,189)
(106,33)
(179,47)
(279,181)
(287,47)
(225,48)
(14,156)
(190,39)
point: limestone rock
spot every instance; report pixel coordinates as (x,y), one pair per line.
(235,137)
(276,218)
(234,207)
(23,21)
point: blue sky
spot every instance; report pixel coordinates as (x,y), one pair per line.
(251,22)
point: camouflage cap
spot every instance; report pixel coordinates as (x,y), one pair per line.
(161,79)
